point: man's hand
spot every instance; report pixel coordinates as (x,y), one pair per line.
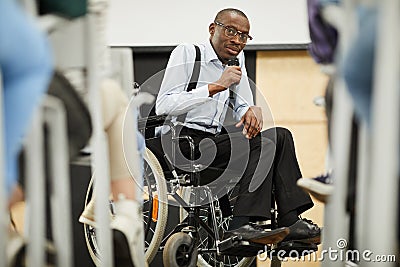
(231,75)
(252,122)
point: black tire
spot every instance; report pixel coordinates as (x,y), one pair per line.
(176,251)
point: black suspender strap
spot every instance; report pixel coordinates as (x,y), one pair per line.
(193,80)
(196,71)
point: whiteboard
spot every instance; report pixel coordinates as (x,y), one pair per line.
(169,23)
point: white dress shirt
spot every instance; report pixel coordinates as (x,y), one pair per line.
(203,112)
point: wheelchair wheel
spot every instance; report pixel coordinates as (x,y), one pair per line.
(177,251)
(155,205)
(155,210)
(211,259)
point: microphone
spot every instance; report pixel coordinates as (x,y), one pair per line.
(232,62)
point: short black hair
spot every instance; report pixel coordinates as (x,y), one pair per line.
(229,10)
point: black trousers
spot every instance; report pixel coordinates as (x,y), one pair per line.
(254,166)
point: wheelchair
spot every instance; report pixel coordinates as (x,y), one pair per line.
(197,239)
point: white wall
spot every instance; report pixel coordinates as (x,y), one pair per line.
(164,23)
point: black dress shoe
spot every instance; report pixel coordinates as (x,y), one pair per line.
(304,231)
(256,234)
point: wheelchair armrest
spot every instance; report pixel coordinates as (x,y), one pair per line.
(153,121)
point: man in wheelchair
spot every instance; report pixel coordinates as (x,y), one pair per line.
(196,97)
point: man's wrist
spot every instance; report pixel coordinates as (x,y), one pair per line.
(214,88)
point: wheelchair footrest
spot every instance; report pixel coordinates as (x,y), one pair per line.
(234,246)
(293,249)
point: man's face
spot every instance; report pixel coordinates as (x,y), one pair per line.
(228,47)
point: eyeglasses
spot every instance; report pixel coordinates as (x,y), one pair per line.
(232,32)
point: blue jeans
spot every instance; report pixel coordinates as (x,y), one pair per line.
(26,67)
(329,2)
(358,63)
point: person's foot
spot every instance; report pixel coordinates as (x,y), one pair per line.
(88,216)
(127,227)
(304,231)
(16,251)
(320,187)
(15,244)
(252,232)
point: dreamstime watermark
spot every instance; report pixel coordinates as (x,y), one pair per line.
(340,253)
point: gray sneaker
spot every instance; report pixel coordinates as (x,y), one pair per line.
(320,187)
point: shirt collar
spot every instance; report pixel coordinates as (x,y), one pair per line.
(210,54)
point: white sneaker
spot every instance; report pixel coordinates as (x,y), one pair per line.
(87,216)
(128,234)
(16,251)
(15,244)
(350,264)
(321,187)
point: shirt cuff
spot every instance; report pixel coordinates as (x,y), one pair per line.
(201,92)
(241,111)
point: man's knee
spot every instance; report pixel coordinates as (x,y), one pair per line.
(277,134)
(283,133)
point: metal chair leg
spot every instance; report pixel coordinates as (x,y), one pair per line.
(275,262)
